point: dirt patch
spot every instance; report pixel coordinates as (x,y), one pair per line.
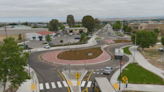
(120,41)
(14,36)
(152,55)
(80,54)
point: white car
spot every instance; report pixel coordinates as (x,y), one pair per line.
(70,34)
(46,46)
(161,49)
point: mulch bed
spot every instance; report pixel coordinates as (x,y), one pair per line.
(80,54)
(120,41)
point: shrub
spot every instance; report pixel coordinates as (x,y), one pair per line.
(45,43)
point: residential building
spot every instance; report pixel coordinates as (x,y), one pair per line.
(39,36)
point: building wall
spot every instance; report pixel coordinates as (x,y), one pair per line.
(77,30)
(31,35)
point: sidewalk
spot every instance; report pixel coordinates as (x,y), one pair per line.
(145,64)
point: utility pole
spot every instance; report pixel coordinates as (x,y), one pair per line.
(5,30)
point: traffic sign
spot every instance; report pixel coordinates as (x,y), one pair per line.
(124,78)
(77,75)
(122,63)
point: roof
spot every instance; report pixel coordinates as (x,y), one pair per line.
(153,25)
(44,32)
(104,84)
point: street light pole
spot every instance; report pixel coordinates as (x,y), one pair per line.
(135,46)
(120,58)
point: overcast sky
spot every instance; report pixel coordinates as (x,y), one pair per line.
(45,10)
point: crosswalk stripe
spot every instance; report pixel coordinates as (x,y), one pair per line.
(97,72)
(59,84)
(89,84)
(93,72)
(83,83)
(47,86)
(101,73)
(41,86)
(65,84)
(53,85)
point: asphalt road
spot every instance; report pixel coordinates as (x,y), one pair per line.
(48,73)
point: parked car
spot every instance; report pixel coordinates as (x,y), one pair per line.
(46,46)
(70,34)
(161,49)
(77,37)
(108,70)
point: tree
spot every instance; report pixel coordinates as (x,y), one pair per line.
(88,22)
(162,40)
(20,37)
(48,38)
(62,27)
(53,25)
(70,20)
(156,30)
(26,23)
(12,63)
(128,29)
(145,39)
(124,27)
(117,25)
(96,23)
(82,38)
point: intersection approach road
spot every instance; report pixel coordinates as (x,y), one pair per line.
(50,78)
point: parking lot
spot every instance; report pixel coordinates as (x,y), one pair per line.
(55,41)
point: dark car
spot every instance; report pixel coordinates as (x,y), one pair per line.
(77,37)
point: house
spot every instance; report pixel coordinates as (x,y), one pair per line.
(77,30)
(39,36)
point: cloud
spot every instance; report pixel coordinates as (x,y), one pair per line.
(80,8)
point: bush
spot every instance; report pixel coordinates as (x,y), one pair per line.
(61,41)
(45,43)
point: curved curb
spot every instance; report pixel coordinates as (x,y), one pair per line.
(87,63)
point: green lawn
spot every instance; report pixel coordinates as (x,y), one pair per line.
(138,75)
(126,50)
(97,38)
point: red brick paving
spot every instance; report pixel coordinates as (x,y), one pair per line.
(52,57)
(109,41)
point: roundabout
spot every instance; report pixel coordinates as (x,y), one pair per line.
(53,58)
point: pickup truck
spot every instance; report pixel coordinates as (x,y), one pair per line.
(161,49)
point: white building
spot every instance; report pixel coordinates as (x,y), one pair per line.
(39,36)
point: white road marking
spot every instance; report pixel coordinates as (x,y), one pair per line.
(89,84)
(65,84)
(83,84)
(97,72)
(93,72)
(47,86)
(101,73)
(59,84)
(41,86)
(97,69)
(53,85)
(101,69)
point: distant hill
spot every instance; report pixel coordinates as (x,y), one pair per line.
(137,18)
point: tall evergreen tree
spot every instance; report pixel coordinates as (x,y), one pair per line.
(70,20)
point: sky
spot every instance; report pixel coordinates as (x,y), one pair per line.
(45,10)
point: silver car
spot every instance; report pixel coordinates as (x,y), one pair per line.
(108,70)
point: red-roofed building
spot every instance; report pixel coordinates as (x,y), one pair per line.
(40,35)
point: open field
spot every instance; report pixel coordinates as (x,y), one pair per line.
(152,55)
(80,54)
(138,75)
(13,32)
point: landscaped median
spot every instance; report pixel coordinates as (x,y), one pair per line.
(126,50)
(138,75)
